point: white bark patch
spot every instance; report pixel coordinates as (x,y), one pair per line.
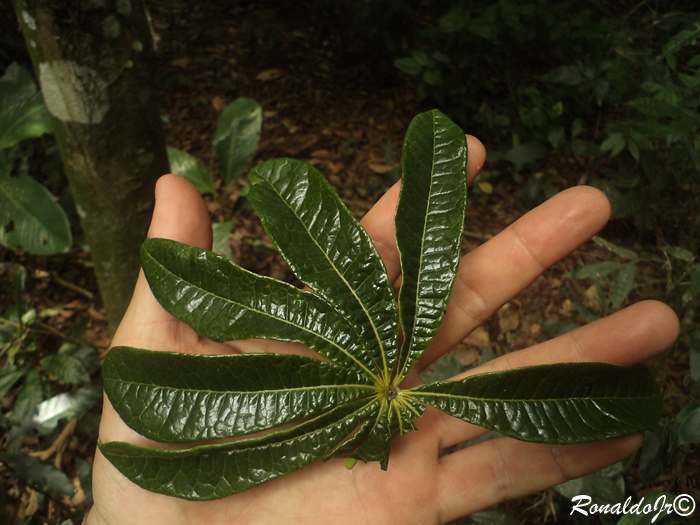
(74,93)
(29,20)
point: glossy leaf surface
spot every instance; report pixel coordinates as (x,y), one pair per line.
(23,113)
(30,218)
(191,168)
(223,301)
(180,398)
(281,412)
(328,250)
(429,226)
(562,403)
(216,471)
(236,137)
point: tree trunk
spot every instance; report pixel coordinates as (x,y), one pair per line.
(95,64)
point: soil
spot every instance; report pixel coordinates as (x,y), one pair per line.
(318,107)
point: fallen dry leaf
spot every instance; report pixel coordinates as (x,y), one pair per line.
(382,168)
(269,74)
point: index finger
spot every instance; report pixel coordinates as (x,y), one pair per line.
(379,221)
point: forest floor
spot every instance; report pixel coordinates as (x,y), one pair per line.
(317,109)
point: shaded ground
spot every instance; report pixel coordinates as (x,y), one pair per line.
(315,110)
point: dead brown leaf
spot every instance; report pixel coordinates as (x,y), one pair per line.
(269,74)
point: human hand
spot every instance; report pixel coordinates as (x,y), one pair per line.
(421,486)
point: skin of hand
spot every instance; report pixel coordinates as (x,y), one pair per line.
(421,485)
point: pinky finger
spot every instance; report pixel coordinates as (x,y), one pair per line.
(501,469)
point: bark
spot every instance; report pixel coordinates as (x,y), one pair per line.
(95,63)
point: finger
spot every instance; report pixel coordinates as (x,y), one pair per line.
(630,336)
(181,215)
(503,469)
(379,221)
(499,269)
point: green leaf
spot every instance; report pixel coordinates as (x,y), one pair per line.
(67,405)
(329,251)
(41,475)
(614,248)
(21,418)
(525,153)
(28,398)
(191,168)
(584,312)
(596,269)
(391,420)
(197,287)
(493,516)
(686,426)
(408,65)
(85,478)
(429,224)
(681,39)
(615,143)
(66,368)
(220,238)
(623,284)
(30,218)
(216,471)
(236,137)
(655,108)
(562,403)
(182,398)
(9,375)
(653,454)
(559,327)
(23,113)
(679,253)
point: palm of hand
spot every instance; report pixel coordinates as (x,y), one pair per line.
(420,486)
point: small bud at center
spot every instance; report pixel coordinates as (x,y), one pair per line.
(391,392)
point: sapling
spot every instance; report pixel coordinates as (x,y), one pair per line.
(249,418)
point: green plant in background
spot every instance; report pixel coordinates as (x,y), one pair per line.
(30,218)
(45,375)
(235,140)
(677,272)
(355,403)
(613,86)
(41,390)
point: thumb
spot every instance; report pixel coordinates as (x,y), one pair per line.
(181,215)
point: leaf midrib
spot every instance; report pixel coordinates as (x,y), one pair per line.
(27,212)
(427,393)
(369,388)
(345,281)
(409,342)
(258,441)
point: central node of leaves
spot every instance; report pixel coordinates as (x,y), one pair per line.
(391,393)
